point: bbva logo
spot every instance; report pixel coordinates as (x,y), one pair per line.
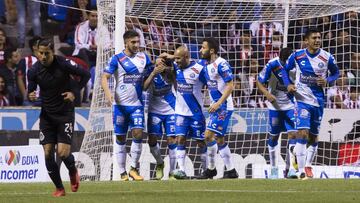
(12,156)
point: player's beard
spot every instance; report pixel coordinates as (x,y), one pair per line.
(206,55)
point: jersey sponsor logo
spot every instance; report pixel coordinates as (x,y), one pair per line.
(161,91)
(195,70)
(225,67)
(132,78)
(309,80)
(185,88)
(301,56)
(212,85)
(322,58)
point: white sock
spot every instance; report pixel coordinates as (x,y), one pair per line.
(212,149)
(180,157)
(204,158)
(310,154)
(155,151)
(120,154)
(300,151)
(172,157)
(273,156)
(290,156)
(225,154)
(135,151)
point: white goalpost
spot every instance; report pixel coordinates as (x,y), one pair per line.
(250,32)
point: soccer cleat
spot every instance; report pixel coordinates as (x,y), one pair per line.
(159,171)
(303,176)
(291,174)
(75,181)
(134,174)
(59,192)
(274,174)
(285,172)
(308,172)
(171,176)
(124,176)
(231,174)
(208,174)
(180,175)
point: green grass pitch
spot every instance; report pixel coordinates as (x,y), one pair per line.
(186,191)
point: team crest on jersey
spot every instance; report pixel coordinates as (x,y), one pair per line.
(213,70)
(321,65)
(41,136)
(192,75)
(122,87)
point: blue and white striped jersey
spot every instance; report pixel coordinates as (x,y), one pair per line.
(189,101)
(272,73)
(309,67)
(218,74)
(161,96)
(129,75)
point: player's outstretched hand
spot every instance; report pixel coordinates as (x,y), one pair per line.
(321,82)
(214,107)
(291,88)
(32,96)
(68,96)
(271,98)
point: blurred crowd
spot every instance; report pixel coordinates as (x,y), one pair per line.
(247,46)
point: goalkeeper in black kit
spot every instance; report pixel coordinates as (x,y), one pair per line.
(54,75)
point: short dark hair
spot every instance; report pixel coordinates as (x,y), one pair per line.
(310,31)
(90,8)
(34,41)
(212,43)
(8,53)
(130,34)
(285,53)
(47,42)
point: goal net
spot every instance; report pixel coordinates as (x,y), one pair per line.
(250,32)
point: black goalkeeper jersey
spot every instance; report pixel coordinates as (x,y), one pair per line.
(55,80)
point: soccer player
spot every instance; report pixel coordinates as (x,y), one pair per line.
(189,117)
(220,85)
(53,75)
(312,66)
(128,67)
(161,115)
(281,111)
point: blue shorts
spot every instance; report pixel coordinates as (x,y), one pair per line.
(281,121)
(190,126)
(156,122)
(219,121)
(127,116)
(309,117)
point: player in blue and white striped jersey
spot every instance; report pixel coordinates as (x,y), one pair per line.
(219,79)
(312,66)
(161,115)
(281,111)
(129,68)
(189,117)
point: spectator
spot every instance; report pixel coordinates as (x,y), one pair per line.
(337,94)
(6,98)
(2,12)
(343,48)
(133,23)
(34,12)
(355,68)
(2,45)
(21,73)
(7,70)
(10,12)
(73,18)
(353,101)
(273,50)
(327,28)
(85,38)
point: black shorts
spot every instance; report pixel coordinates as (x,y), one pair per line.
(56,128)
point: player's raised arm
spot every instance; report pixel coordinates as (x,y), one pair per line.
(159,68)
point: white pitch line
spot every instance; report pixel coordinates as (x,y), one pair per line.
(177,191)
